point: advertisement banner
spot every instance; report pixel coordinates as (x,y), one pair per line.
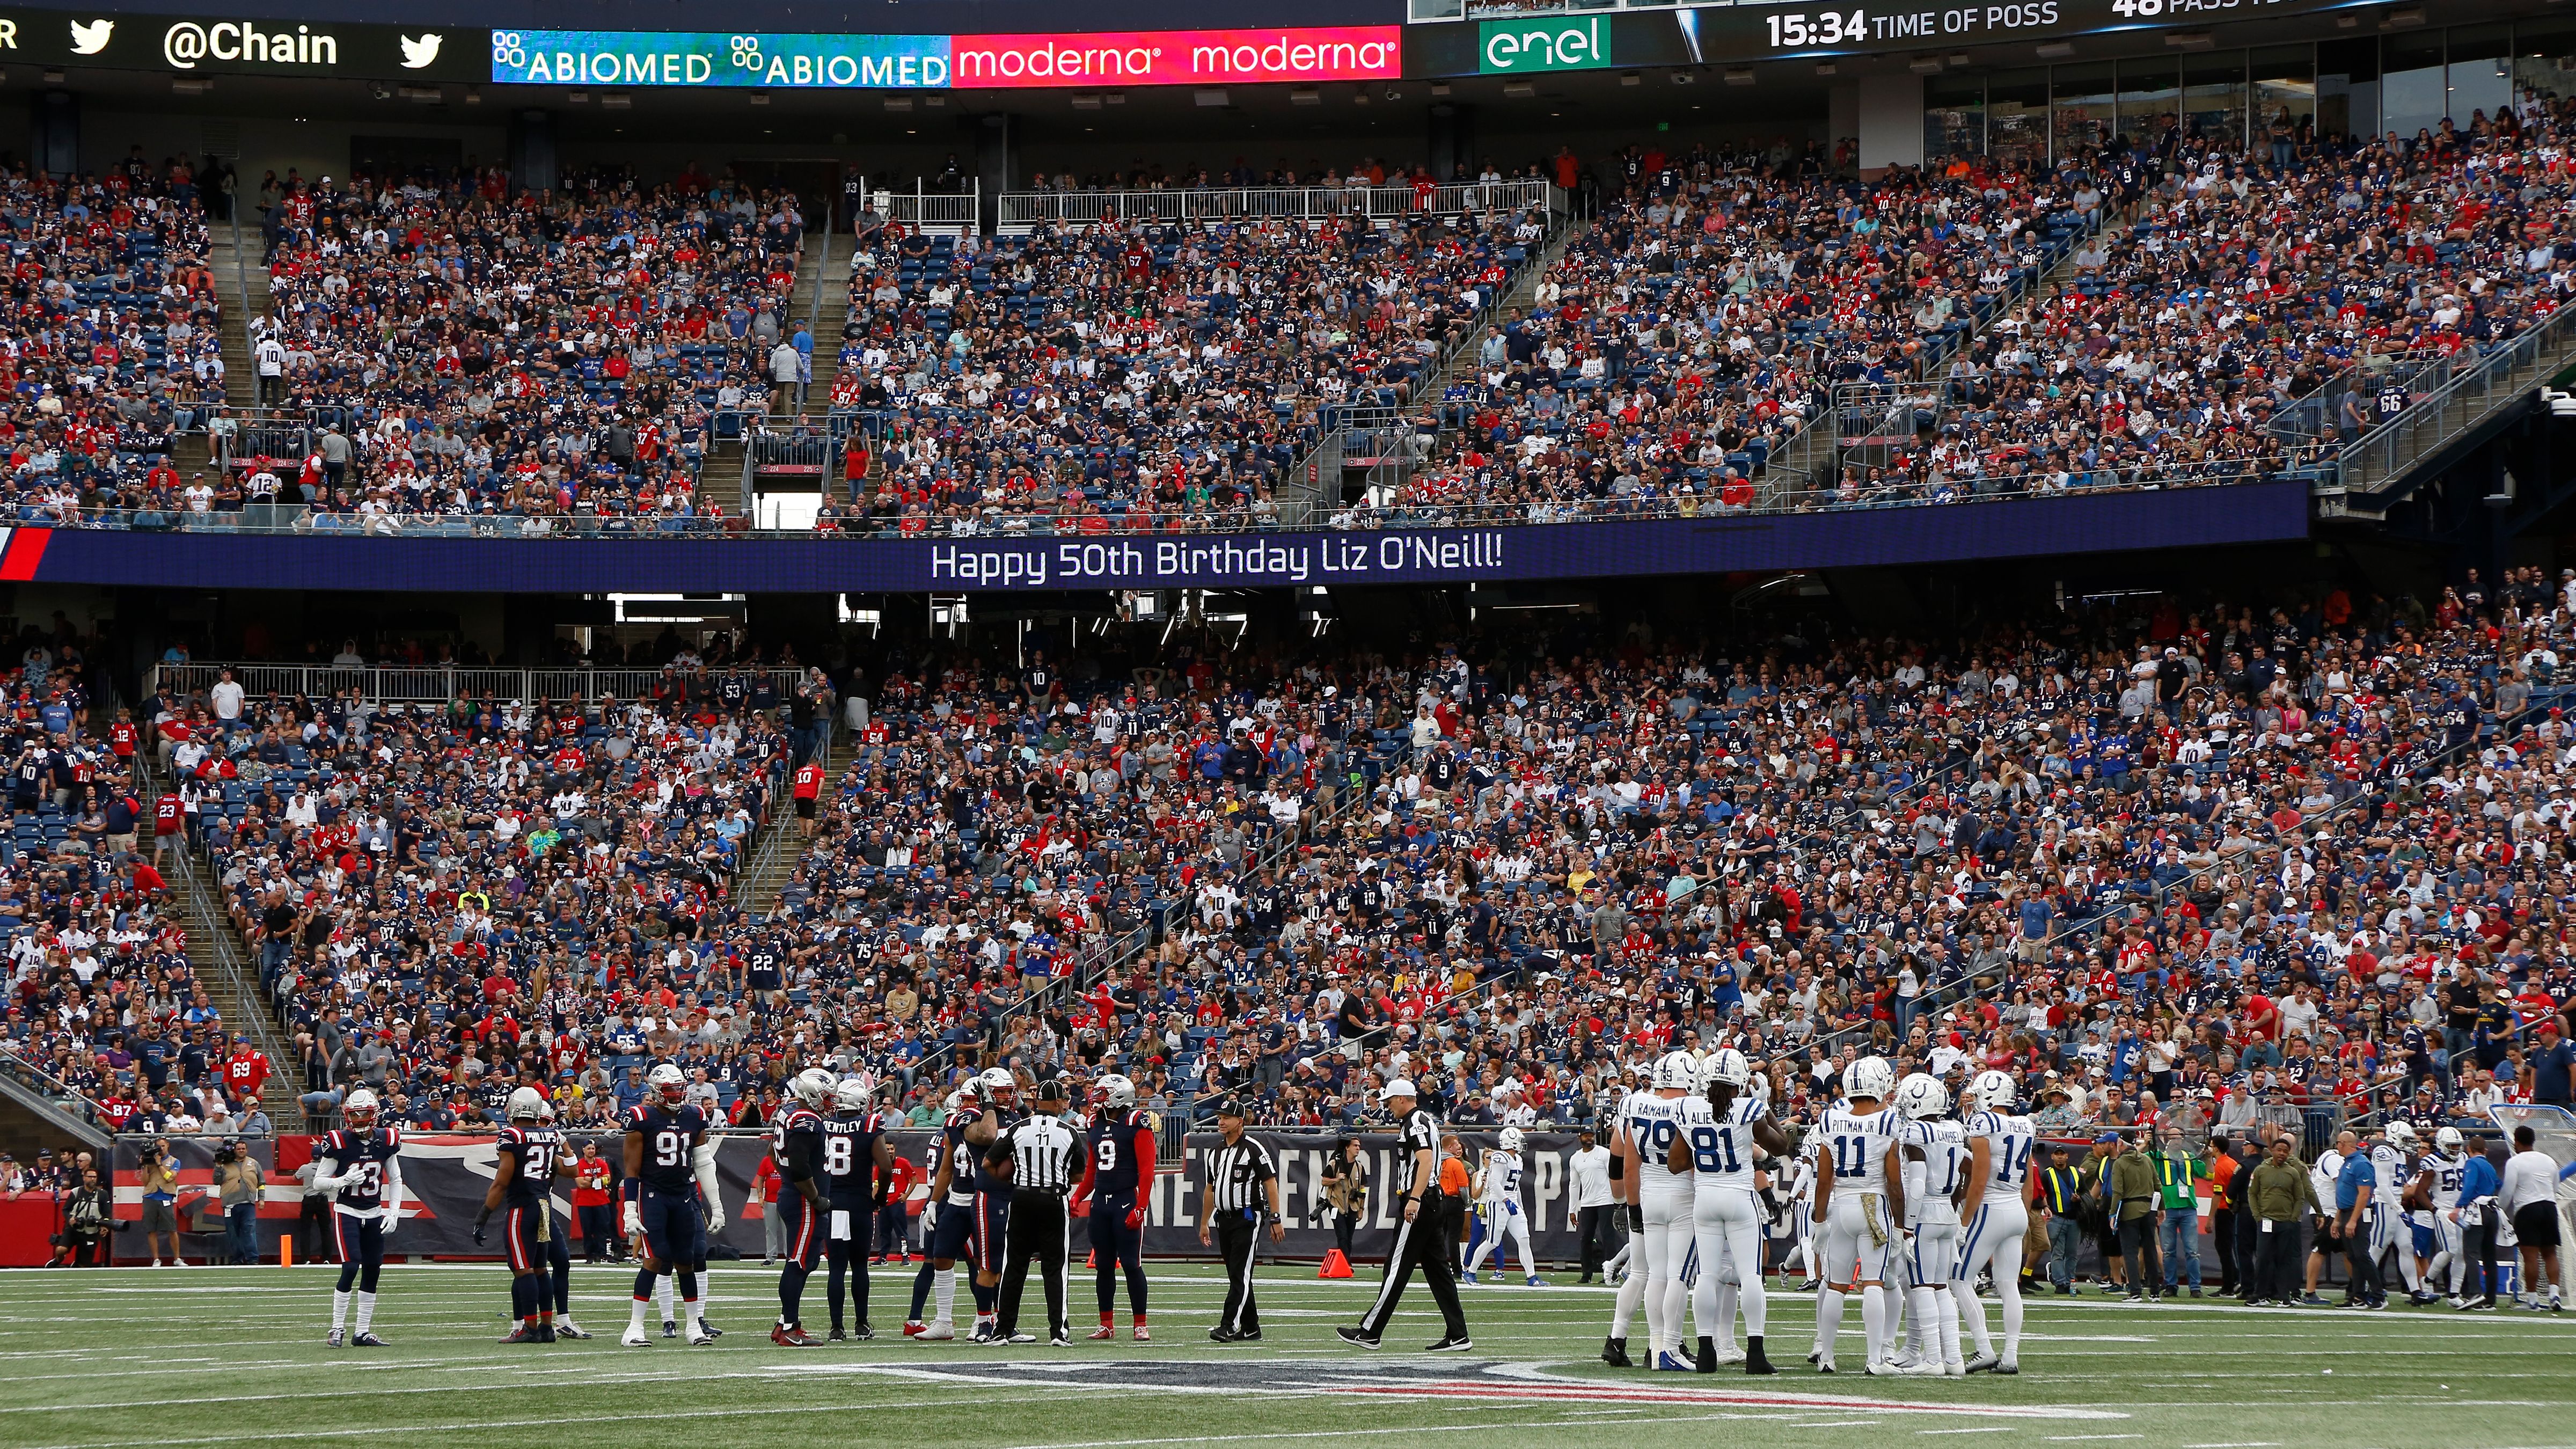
(282,49)
(1180,57)
(940,62)
(654,58)
(1521,47)
(435,562)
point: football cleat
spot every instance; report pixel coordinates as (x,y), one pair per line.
(365,1338)
(836,1336)
(1468,1278)
(1060,1341)
(1248,1336)
(1459,1344)
(983,1334)
(567,1329)
(2007,1367)
(1983,1363)
(710,1330)
(1357,1338)
(337,1339)
(1883,1368)
(520,1333)
(1929,1368)
(1826,1366)
(1143,1335)
(670,1328)
(1730,1354)
(1103,1331)
(1669,1362)
(1220,1334)
(1755,1362)
(782,1335)
(545,1333)
(912,1327)
(864,1333)
(1017,1338)
(1535,1281)
(1614,1352)
(634,1337)
(937,1333)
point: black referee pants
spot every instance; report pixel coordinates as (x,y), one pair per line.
(1419,1245)
(1238,1235)
(1039,1228)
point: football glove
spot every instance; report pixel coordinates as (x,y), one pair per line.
(634,1218)
(715,1220)
(478,1230)
(1136,1216)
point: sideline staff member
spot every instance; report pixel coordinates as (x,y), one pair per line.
(1418,1243)
(1242,1183)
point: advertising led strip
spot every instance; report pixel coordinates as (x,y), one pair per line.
(940,62)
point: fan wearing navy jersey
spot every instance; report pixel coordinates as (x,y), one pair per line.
(669,1162)
(992,1207)
(364,1178)
(764,971)
(804,1208)
(856,1156)
(1119,1165)
(522,1186)
(948,1219)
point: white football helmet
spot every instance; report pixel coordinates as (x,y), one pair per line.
(999,1086)
(527,1104)
(1115,1092)
(1727,1065)
(1512,1140)
(358,1109)
(1869,1077)
(2449,1139)
(1675,1071)
(2401,1133)
(813,1086)
(1922,1097)
(670,1084)
(1992,1091)
(851,1095)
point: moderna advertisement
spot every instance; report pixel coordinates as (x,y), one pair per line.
(941,62)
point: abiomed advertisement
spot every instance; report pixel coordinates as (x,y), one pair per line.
(941,62)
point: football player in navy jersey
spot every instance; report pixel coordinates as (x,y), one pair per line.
(559,1246)
(1114,1177)
(364,1179)
(855,1157)
(668,1160)
(524,1181)
(948,1219)
(803,1209)
(992,1208)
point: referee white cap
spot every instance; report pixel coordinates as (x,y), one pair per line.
(1397,1088)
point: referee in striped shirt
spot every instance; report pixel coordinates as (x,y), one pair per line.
(1039,1156)
(1242,1183)
(1419,1243)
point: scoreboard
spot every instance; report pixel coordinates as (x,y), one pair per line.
(1740,33)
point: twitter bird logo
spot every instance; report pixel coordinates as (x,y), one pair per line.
(90,39)
(419,53)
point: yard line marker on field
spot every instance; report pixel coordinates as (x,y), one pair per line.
(1979,1429)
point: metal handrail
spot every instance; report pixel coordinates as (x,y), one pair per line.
(2477,377)
(435,685)
(1022,211)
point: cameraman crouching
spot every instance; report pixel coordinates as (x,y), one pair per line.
(238,1181)
(160,1201)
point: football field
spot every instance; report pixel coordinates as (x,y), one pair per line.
(128,1358)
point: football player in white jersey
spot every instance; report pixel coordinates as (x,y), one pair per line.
(1860,1200)
(1794,1184)
(1935,1167)
(2000,1146)
(1501,1201)
(1659,1213)
(1724,1130)
(2437,1186)
(2389,1235)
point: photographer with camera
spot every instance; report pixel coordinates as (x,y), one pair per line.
(160,1200)
(89,1222)
(238,1181)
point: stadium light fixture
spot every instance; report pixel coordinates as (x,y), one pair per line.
(898,103)
(1211,99)
(1824,67)
(1308,96)
(1519,90)
(616,101)
(191,85)
(1740,76)
(1631,78)
(2056,50)
(2190,39)
(1924,65)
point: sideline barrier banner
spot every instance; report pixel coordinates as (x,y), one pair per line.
(2029,528)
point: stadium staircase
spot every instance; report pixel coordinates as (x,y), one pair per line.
(243,283)
(226,970)
(775,854)
(2460,406)
(1370,440)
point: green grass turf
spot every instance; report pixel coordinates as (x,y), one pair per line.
(118,1358)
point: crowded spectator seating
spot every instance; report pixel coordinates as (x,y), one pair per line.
(2244,320)
(2292,863)
(105,1013)
(1140,376)
(112,345)
(427,889)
